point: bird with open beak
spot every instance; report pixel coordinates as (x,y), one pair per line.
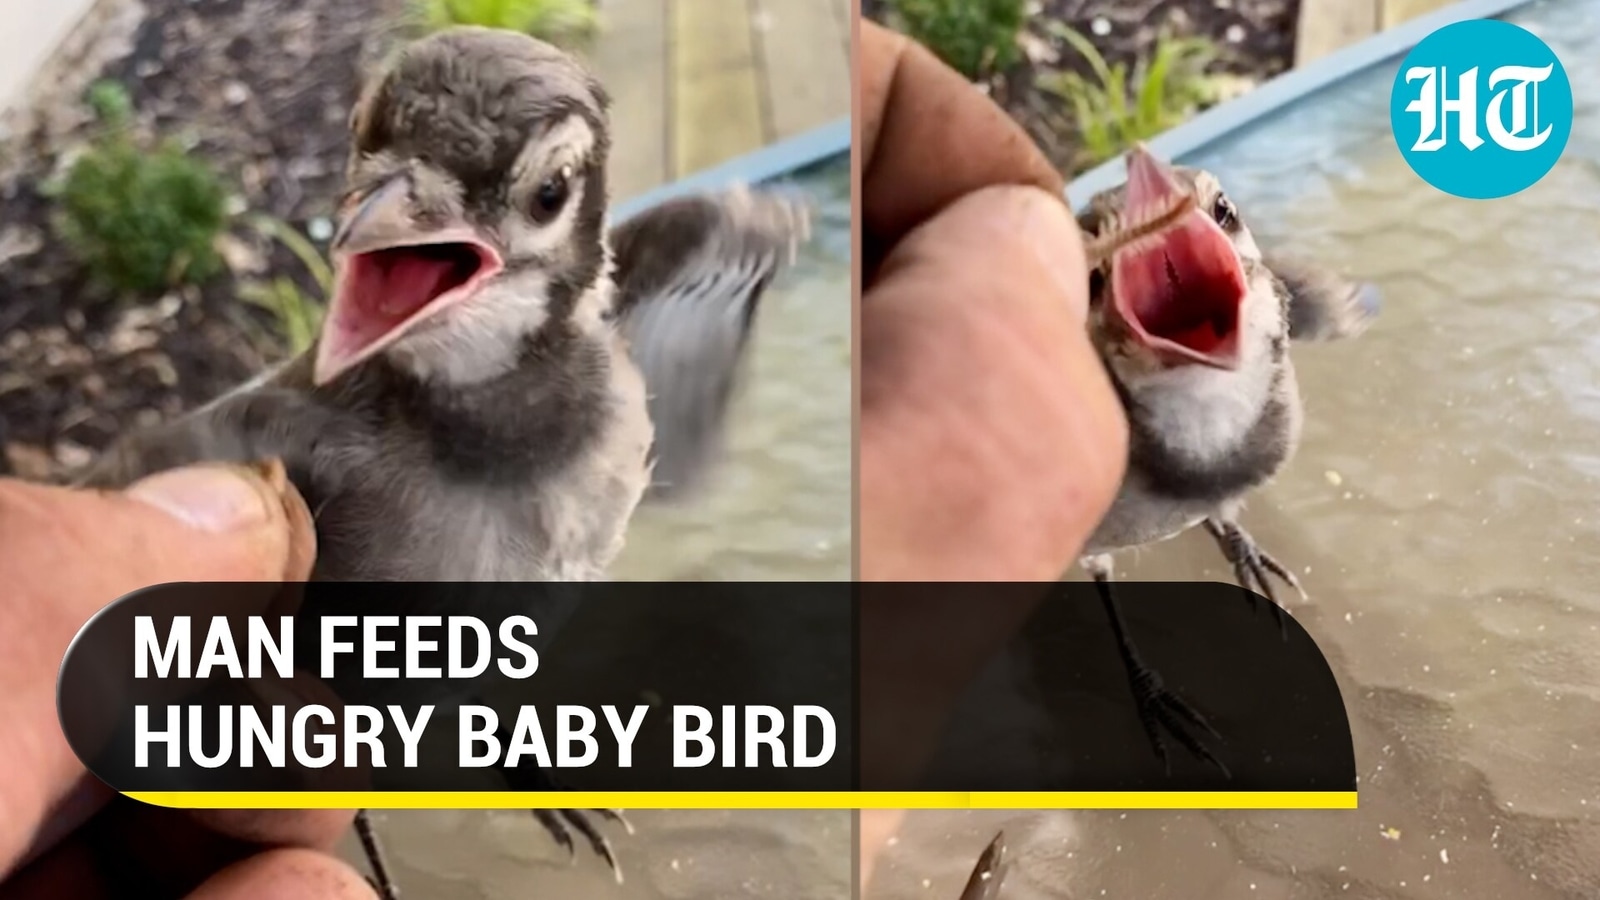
(500,378)
(1194,325)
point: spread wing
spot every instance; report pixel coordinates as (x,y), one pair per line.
(1324,306)
(690,274)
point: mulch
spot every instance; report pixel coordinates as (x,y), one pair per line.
(262,89)
(1256,39)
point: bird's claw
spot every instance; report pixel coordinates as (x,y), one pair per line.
(561,823)
(1252,565)
(1162,709)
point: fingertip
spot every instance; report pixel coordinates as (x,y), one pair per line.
(306,828)
(876,827)
(248,521)
(212,498)
(291,874)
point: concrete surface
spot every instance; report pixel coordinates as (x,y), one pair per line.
(30,30)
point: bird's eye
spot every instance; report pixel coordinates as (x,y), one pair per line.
(553,193)
(1223,211)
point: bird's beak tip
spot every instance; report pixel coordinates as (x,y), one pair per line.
(327,366)
(378,219)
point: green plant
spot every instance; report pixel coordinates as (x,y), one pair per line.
(140,221)
(111,103)
(1117,109)
(558,21)
(974,37)
(298,314)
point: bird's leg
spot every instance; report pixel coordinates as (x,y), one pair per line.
(561,823)
(1251,564)
(1159,708)
(380,879)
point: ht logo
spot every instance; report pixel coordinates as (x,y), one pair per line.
(1429,105)
(1481,109)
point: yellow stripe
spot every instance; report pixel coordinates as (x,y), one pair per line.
(755,800)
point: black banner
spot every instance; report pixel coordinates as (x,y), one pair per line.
(701,687)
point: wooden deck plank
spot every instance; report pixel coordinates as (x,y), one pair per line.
(630,58)
(1328,25)
(1398,11)
(844,11)
(716,102)
(807,75)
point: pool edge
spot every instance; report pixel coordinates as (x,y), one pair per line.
(772,161)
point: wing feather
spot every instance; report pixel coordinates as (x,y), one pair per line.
(690,276)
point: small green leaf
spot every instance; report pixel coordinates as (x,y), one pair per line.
(974,37)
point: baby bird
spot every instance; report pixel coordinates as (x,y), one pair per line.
(500,379)
(1194,323)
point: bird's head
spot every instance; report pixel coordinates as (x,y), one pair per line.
(1194,293)
(475,207)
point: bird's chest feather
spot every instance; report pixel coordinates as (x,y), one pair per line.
(472,501)
(1198,442)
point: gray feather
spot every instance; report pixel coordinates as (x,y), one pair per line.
(1322,305)
(267,419)
(690,274)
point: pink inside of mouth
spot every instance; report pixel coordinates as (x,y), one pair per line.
(1180,291)
(384,293)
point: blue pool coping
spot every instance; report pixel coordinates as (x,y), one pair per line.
(773,161)
(1224,119)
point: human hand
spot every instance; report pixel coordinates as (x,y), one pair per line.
(875,828)
(65,554)
(991,441)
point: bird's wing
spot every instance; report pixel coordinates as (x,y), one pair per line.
(1324,306)
(689,275)
(272,417)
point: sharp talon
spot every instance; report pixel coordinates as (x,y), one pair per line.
(558,831)
(597,841)
(615,815)
(1251,566)
(1161,710)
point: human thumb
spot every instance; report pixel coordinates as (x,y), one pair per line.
(67,553)
(202,523)
(991,439)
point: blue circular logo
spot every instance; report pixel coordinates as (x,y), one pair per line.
(1481,109)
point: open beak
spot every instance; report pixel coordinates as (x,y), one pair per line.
(1181,290)
(392,275)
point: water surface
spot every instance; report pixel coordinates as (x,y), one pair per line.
(1442,513)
